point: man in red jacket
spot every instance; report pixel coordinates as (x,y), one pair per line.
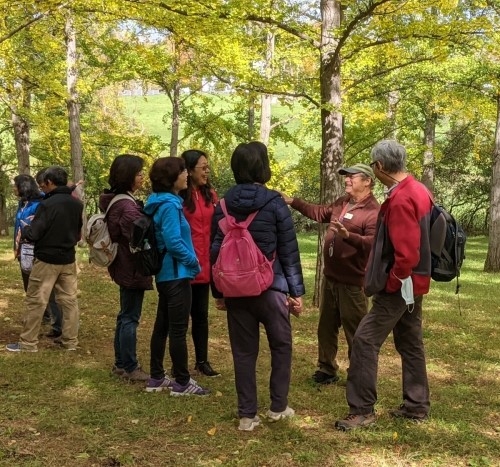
(352,219)
(398,275)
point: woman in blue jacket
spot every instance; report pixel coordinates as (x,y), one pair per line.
(26,189)
(168,176)
(273,232)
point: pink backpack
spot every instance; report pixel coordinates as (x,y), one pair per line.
(241,269)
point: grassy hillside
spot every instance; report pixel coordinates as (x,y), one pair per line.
(151,115)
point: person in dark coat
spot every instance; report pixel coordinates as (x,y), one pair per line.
(126,177)
(274,234)
(55,231)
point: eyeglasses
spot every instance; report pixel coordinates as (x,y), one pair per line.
(353,175)
(373,164)
(204,168)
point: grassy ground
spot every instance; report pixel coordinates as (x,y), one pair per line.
(62,408)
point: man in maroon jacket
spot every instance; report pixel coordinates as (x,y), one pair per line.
(398,275)
(348,240)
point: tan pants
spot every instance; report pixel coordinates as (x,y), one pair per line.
(341,305)
(44,277)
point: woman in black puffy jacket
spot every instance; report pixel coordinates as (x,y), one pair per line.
(274,234)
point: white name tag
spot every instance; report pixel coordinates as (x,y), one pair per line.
(347,215)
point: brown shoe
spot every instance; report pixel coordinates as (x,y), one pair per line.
(117,371)
(136,375)
(403,412)
(355,421)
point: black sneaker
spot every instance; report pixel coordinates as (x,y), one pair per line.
(204,368)
(321,377)
(403,412)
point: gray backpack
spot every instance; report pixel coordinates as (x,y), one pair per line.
(102,250)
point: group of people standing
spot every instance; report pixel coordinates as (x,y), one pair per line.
(389,242)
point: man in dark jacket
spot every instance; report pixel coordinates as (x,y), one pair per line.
(55,230)
(352,219)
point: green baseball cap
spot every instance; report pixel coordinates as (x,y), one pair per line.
(356,169)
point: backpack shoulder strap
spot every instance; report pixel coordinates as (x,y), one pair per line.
(117,198)
(231,220)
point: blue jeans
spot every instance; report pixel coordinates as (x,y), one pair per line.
(172,320)
(126,328)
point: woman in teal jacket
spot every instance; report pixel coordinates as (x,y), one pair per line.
(168,176)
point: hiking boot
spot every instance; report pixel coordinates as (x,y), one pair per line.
(355,421)
(192,388)
(117,371)
(136,375)
(70,347)
(321,377)
(53,334)
(248,424)
(204,368)
(276,416)
(403,412)
(18,348)
(157,385)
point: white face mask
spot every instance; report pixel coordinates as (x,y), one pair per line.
(407,290)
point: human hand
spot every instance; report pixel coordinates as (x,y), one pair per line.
(220,304)
(288,200)
(295,306)
(339,228)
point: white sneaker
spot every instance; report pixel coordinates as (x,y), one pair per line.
(276,416)
(248,424)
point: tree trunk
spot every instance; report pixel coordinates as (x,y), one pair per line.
(492,263)
(429,143)
(331,122)
(393,100)
(4,227)
(251,117)
(265,112)
(72,101)
(176,121)
(74,115)
(21,128)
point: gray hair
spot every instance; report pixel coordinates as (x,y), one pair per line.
(391,154)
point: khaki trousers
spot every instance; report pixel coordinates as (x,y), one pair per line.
(43,278)
(341,305)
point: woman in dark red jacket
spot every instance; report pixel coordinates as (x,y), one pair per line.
(126,177)
(199,202)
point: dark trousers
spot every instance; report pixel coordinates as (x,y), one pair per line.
(389,313)
(199,320)
(172,320)
(341,305)
(52,311)
(244,316)
(127,322)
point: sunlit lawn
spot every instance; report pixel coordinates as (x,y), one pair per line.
(65,409)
